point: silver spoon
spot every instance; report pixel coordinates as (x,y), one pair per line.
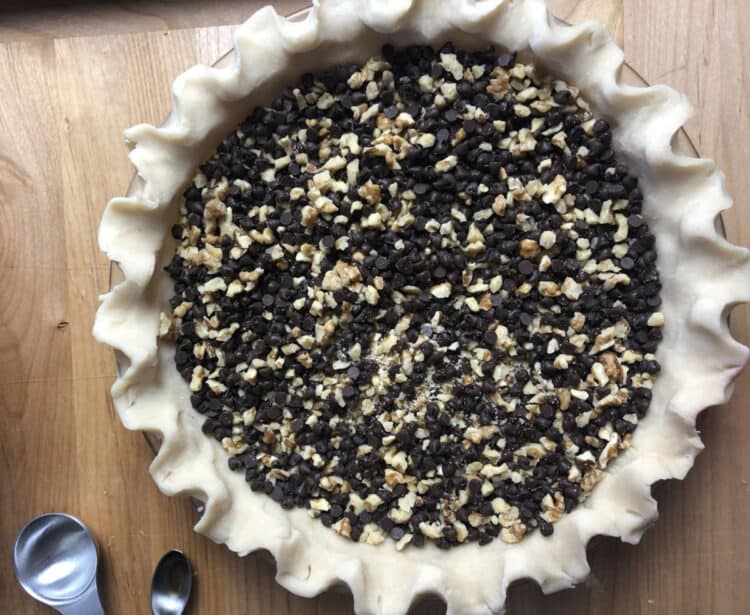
(170,588)
(55,561)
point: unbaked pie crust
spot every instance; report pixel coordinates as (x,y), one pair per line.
(703,276)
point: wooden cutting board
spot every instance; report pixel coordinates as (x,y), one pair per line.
(63,106)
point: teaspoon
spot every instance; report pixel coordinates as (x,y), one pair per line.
(171,585)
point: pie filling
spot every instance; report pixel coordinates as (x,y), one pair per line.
(417,297)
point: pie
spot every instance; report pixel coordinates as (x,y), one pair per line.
(419,298)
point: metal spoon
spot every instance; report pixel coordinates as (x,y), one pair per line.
(170,588)
(55,561)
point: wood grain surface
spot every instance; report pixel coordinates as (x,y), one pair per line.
(73,78)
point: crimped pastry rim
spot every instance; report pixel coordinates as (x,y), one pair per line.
(703,276)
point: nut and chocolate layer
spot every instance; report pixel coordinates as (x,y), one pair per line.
(418,298)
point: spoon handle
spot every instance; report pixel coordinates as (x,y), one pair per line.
(87,604)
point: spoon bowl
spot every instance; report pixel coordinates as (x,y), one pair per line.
(171,585)
(55,561)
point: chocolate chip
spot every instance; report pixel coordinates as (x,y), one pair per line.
(635,221)
(489,338)
(506,60)
(273,413)
(397,532)
(391,112)
(562,97)
(600,126)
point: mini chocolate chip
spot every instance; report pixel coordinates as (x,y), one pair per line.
(591,187)
(600,126)
(562,97)
(273,413)
(635,221)
(391,112)
(506,60)
(286,218)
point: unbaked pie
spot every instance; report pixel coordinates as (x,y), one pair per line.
(419,298)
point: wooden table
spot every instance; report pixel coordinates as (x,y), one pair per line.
(73,78)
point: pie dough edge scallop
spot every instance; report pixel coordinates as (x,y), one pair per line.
(703,275)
